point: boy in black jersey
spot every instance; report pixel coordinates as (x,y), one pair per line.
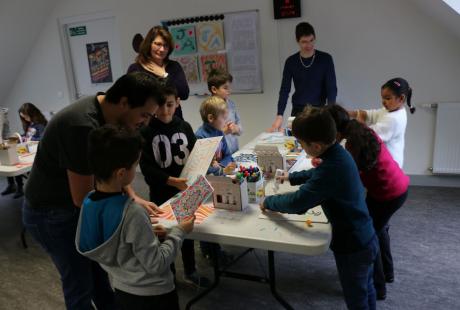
(168,143)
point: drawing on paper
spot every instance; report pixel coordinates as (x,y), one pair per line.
(200,158)
(99,62)
(184,40)
(210,36)
(190,66)
(202,213)
(188,201)
(213,61)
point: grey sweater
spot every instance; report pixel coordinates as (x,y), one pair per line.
(132,255)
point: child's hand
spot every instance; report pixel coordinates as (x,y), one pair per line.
(215,164)
(315,162)
(228,128)
(160,231)
(231,166)
(262,204)
(179,183)
(187,224)
(234,128)
(151,208)
(283,177)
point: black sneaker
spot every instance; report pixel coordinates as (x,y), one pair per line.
(11,188)
(19,193)
(389,279)
(196,280)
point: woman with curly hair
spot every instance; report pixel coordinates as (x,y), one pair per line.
(386,184)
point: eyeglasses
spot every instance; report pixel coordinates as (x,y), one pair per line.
(161,45)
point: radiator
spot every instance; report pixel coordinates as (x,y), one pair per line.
(446,153)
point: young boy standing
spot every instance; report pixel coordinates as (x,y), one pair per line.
(214,113)
(219,84)
(169,141)
(336,185)
(117,233)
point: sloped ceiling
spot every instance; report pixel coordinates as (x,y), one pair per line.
(441,12)
(20,22)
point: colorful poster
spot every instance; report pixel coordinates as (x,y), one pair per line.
(190,66)
(209,62)
(210,36)
(202,213)
(184,40)
(99,62)
(200,158)
(189,200)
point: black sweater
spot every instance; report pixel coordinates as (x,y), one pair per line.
(165,151)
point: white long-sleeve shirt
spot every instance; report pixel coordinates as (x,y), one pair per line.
(391,127)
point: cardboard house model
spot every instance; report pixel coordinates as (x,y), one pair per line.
(269,158)
(229,193)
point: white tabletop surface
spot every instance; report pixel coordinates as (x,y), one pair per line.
(24,166)
(246,229)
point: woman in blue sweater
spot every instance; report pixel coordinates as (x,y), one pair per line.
(313,74)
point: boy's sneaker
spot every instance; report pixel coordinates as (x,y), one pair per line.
(11,188)
(196,280)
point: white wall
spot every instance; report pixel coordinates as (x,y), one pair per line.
(371,41)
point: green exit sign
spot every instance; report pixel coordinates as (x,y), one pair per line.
(77,31)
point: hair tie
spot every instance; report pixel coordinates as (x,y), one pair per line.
(397,83)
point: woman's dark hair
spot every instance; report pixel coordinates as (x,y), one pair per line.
(218,77)
(146,45)
(362,144)
(304,29)
(400,87)
(314,125)
(111,148)
(138,87)
(340,116)
(36,116)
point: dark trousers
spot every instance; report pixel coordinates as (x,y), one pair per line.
(356,276)
(126,301)
(296,110)
(381,212)
(82,280)
(18,180)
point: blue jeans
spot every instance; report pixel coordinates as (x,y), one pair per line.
(356,276)
(82,280)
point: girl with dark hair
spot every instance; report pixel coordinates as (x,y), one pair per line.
(386,184)
(153,58)
(33,123)
(390,121)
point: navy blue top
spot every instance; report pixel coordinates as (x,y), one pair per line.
(313,85)
(223,155)
(336,185)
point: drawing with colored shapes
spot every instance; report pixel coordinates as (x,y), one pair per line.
(202,213)
(188,201)
(184,40)
(210,36)
(213,61)
(190,66)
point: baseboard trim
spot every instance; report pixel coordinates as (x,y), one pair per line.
(435,180)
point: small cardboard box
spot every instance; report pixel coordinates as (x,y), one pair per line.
(269,158)
(9,156)
(256,191)
(229,193)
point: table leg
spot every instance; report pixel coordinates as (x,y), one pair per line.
(23,238)
(215,255)
(272,281)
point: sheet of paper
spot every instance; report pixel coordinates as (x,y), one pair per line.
(315,215)
(187,202)
(200,158)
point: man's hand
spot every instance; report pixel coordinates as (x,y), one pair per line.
(276,126)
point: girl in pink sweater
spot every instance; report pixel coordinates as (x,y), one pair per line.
(386,184)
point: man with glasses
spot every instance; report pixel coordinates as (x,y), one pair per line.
(313,74)
(61,178)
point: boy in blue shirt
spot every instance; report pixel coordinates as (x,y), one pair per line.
(214,113)
(219,84)
(336,185)
(117,233)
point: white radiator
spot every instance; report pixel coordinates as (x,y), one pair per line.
(446,153)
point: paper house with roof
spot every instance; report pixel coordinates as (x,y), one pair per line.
(229,193)
(270,158)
